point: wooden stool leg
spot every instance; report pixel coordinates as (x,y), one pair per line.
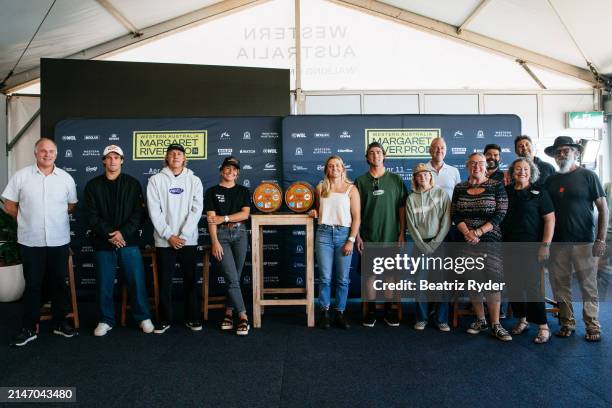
(73,298)
(455,314)
(205,283)
(155,284)
(124,296)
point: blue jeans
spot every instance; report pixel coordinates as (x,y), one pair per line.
(440,309)
(130,261)
(329,244)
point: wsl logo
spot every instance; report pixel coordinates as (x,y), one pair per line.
(176,190)
(70,138)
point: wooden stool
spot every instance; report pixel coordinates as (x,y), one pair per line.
(258,221)
(208,302)
(148,252)
(74,314)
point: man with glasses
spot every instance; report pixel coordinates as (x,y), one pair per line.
(578,243)
(383,199)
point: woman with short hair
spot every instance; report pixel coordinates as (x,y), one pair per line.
(530,218)
(478,207)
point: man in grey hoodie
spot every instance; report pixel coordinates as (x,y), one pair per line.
(175,203)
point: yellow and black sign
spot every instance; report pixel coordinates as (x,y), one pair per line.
(403,143)
(151,145)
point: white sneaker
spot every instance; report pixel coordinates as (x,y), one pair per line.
(420,325)
(102,329)
(147,326)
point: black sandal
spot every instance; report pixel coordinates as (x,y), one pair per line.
(243,327)
(565,331)
(228,323)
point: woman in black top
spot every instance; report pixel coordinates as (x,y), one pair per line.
(530,218)
(227,207)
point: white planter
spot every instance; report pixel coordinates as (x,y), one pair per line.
(12,283)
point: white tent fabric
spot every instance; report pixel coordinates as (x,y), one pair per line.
(561,29)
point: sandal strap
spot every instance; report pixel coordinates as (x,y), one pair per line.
(243,325)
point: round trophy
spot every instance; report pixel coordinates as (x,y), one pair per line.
(267,197)
(299,197)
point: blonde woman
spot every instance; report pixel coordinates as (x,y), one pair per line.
(338,210)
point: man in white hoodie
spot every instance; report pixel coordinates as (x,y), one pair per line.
(175,202)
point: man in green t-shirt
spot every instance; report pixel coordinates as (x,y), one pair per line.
(383,197)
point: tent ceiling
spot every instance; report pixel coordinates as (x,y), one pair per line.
(76,27)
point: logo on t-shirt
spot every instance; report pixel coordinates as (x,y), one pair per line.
(176,190)
(561,189)
(220,198)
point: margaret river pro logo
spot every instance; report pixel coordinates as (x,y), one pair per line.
(403,143)
(151,145)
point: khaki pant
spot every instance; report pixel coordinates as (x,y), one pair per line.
(564,258)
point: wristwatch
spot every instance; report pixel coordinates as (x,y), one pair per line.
(352,239)
(226,219)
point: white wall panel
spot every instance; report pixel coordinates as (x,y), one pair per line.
(333,104)
(524,106)
(400,104)
(451,104)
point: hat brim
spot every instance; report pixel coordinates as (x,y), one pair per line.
(229,164)
(550,150)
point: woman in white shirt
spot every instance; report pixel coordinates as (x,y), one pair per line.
(338,210)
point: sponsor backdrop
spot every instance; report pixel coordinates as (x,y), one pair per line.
(309,140)
(255,140)
(305,143)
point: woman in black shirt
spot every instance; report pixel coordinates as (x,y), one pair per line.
(530,218)
(227,207)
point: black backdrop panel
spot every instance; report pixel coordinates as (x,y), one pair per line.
(107,89)
(255,140)
(308,140)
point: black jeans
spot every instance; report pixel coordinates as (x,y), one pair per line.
(167,258)
(40,263)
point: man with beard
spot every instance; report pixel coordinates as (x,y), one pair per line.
(523,146)
(492,153)
(574,190)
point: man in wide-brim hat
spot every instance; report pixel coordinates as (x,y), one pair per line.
(576,241)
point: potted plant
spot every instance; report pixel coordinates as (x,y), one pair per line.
(12,282)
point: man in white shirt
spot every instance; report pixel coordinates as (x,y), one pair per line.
(444,175)
(40,197)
